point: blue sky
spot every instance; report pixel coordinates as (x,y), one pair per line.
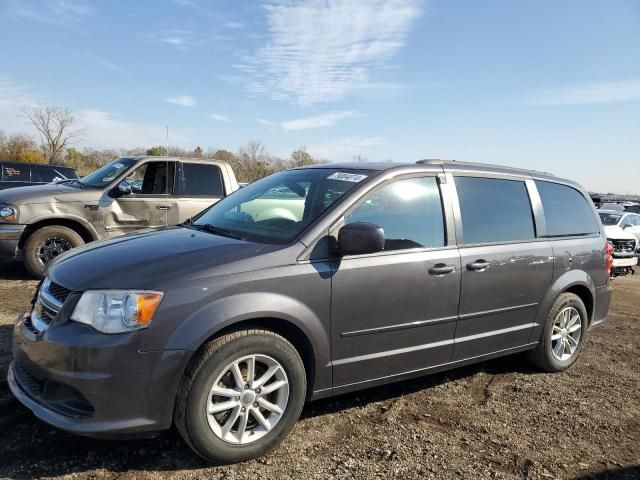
(545,84)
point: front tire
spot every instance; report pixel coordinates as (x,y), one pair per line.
(563,335)
(47,243)
(241,396)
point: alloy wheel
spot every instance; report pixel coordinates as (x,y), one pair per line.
(247,399)
(566,333)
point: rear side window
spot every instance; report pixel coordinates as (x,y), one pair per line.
(566,210)
(409,211)
(200,180)
(16,173)
(494,210)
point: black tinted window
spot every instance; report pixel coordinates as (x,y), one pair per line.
(494,210)
(409,211)
(566,210)
(201,180)
(15,173)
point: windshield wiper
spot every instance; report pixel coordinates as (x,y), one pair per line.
(207,227)
(72,180)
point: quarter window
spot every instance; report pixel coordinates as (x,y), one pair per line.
(16,173)
(201,180)
(494,210)
(566,210)
(409,211)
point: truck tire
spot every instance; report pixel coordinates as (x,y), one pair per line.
(229,411)
(563,335)
(47,243)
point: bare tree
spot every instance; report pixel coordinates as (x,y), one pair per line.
(57,129)
(359,158)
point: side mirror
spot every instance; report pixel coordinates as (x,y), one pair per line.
(360,237)
(123,189)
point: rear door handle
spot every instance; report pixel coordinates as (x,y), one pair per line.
(478,265)
(163,207)
(441,269)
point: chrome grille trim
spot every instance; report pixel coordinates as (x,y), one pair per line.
(47,306)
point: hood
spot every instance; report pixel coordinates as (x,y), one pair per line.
(46,194)
(615,232)
(152,259)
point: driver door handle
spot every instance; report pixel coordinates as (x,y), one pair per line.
(441,269)
(163,207)
(478,265)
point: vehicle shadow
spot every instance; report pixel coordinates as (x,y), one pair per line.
(13,270)
(625,473)
(31,449)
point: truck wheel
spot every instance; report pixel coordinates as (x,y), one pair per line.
(563,334)
(47,243)
(241,396)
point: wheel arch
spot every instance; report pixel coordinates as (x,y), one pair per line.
(87,233)
(577,282)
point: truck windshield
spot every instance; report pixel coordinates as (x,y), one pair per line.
(610,218)
(107,174)
(278,208)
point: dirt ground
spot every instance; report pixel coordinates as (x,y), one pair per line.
(498,419)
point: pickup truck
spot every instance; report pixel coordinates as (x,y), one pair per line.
(39,223)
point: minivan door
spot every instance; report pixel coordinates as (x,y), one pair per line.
(395,311)
(506,270)
(150,203)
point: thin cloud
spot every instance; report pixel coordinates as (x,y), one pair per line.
(265,122)
(319,51)
(111,66)
(318,121)
(219,118)
(182,100)
(63,13)
(234,24)
(345,148)
(607,92)
(107,130)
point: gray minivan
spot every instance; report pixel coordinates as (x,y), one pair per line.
(309,283)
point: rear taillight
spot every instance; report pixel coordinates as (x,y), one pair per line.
(608,257)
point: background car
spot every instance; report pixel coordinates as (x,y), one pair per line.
(15,174)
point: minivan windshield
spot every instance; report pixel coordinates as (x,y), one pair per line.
(609,219)
(107,174)
(276,209)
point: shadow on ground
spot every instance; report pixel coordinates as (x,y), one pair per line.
(30,448)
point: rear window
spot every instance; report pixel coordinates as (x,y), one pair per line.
(494,210)
(566,210)
(199,180)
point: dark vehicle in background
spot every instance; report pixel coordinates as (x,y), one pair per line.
(306,284)
(15,174)
(635,208)
(39,223)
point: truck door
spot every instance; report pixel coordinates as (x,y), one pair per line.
(151,203)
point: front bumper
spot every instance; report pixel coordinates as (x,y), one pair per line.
(10,235)
(93,384)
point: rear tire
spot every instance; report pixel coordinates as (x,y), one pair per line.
(563,335)
(47,243)
(230,428)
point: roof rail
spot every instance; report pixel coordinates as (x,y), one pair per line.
(437,161)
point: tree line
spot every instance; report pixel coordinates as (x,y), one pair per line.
(57,131)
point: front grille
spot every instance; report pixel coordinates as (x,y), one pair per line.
(59,292)
(623,246)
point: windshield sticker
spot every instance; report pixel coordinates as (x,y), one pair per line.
(118,165)
(347,177)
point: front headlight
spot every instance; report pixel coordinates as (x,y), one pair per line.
(8,215)
(117,311)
